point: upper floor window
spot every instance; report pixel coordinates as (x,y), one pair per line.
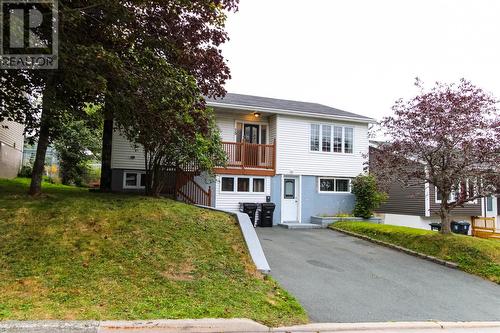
(328,138)
(337,139)
(348,140)
(315,137)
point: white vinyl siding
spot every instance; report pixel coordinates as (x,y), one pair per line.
(272,129)
(231,200)
(294,154)
(125,155)
(12,135)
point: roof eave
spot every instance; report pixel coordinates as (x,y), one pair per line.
(290,112)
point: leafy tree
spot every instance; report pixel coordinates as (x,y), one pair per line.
(94,38)
(448,137)
(368,197)
(186,34)
(78,145)
(169,121)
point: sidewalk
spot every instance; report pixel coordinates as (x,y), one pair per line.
(237,325)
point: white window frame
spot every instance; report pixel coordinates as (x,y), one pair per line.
(334,185)
(332,125)
(453,195)
(436,199)
(235,185)
(139,174)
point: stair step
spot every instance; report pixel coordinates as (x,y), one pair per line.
(299,226)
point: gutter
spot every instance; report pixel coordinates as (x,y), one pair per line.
(290,112)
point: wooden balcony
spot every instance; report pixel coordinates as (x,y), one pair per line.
(249,159)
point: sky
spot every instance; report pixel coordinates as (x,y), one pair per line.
(361,55)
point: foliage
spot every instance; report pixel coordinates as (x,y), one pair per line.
(473,255)
(368,197)
(169,120)
(78,145)
(94,40)
(73,254)
(344,215)
(446,137)
(26,171)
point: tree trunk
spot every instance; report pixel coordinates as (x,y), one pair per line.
(445,220)
(107,141)
(41,150)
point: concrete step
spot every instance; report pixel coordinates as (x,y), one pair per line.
(299,226)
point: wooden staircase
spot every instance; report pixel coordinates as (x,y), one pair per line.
(188,190)
(484,227)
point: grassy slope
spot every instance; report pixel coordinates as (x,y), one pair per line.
(474,255)
(78,255)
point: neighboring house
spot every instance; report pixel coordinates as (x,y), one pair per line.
(11,148)
(300,156)
(418,205)
(491,208)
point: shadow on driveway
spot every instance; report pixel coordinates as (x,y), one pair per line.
(339,278)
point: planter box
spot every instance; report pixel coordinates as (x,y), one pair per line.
(327,220)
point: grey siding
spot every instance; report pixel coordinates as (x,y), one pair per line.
(404,200)
(469,209)
(10,161)
(117,181)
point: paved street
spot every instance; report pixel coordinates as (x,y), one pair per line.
(338,278)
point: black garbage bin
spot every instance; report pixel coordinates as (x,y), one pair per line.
(460,227)
(249,208)
(435,226)
(266,214)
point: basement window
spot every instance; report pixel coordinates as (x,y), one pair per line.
(227,184)
(134,180)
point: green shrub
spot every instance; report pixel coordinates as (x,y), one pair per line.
(26,171)
(368,197)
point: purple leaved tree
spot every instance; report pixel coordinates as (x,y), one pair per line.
(448,137)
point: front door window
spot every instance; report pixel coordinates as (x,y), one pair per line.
(251,133)
(289,189)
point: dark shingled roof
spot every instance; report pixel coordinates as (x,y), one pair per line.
(283,104)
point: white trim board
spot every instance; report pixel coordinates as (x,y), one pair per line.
(289,112)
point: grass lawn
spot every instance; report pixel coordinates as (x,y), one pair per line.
(72,254)
(473,255)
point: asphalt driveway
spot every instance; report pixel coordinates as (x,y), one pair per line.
(338,278)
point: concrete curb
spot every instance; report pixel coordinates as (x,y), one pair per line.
(399,248)
(413,327)
(251,239)
(189,325)
(237,325)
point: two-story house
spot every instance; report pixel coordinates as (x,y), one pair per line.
(300,156)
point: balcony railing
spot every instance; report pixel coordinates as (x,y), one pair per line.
(249,156)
